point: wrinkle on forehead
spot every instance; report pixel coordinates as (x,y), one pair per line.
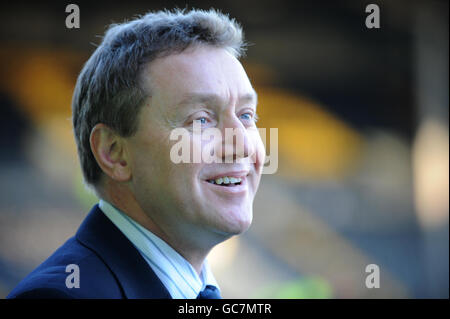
(213,98)
(200,76)
(196,64)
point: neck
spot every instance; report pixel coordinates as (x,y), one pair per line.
(192,249)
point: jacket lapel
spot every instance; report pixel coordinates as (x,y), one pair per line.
(137,279)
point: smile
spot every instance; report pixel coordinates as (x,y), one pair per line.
(232,183)
(227,181)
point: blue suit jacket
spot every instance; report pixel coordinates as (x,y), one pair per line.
(109,264)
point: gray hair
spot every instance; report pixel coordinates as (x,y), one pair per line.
(108,89)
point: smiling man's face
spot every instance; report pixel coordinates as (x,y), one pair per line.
(207,85)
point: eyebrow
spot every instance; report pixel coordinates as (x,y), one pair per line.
(194,98)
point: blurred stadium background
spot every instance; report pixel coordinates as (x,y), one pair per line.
(362,118)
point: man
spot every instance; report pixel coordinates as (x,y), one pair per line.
(157,219)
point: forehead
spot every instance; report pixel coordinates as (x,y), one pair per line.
(202,70)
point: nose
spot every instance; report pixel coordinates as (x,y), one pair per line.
(236,143)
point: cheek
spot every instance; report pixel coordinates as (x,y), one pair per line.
(150,157)
(196,148)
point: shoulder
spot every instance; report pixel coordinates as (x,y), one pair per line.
(72,271)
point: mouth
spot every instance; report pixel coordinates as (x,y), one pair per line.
(229,182)
(226,181)
(229,179)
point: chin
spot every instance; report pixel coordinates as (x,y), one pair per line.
(236,223)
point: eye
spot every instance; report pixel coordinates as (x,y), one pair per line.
(249,116)
(201,120)
(205,120)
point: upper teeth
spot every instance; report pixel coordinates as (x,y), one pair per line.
(226,180)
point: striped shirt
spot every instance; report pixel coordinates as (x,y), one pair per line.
(176,273)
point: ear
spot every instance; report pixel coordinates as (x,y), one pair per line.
(109,150)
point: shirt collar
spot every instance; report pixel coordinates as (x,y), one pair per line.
(174,271)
